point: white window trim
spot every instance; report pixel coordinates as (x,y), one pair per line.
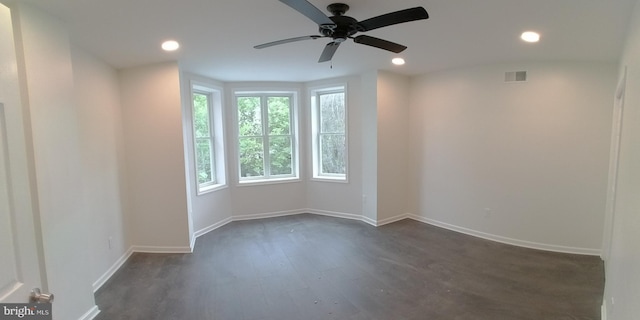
(216,121)
(211,138)
(293,94)
(314,125)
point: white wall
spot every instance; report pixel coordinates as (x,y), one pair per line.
(102,152)
(272,198)
(535,154)
(48,92)
(208,209)
(369,145)
(393,141)
(154,153)
(243,201)
(339,197)
(622,291)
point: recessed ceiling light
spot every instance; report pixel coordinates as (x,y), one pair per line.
(397,61)
(530,36)
(170,45)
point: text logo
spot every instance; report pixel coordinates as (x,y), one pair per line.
(27,311)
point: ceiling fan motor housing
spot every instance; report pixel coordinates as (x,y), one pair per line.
(344,27)
(338,9)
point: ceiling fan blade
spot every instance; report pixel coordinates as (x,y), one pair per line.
(309,10)
(379,43)
(283,41)
(329,51)
(406,15)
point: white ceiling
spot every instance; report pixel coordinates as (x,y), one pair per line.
(217,37)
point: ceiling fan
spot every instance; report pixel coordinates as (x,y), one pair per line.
(340,27)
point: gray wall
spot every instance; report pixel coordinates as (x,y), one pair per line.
(524,163)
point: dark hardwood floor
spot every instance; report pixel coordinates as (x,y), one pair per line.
(308,267)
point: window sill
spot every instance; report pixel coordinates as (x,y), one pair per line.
(330,179)
(211,188)
(243,183)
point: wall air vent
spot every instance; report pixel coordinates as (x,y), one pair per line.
(515,76)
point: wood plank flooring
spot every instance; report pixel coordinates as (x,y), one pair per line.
(308,267)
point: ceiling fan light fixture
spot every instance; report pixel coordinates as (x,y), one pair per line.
(530,36)
(398,61)
(170,45)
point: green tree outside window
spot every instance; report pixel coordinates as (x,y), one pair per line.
(265,139)
(203,138)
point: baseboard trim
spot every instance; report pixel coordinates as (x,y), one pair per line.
(123,259)
(92,313)
(603,311)
(368,220)
(159,249)
(267,215)
(506,240)
(210,228)
(111,271)
(342,215)
(276,214)
(392,219)
(192,243)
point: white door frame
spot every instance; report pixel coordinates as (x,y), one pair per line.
(21,242)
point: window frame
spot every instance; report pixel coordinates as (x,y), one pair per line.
(316,152)
(264,95)
(216,136)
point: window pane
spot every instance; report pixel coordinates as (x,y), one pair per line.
(201,115)
(249,116)
(203,161)
(279,115)
(332,113)
(251,157)
(280,155)
(332,152)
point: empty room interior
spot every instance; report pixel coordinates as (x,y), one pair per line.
(266,159)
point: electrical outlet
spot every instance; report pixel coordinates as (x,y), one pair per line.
(110,243)
(611,308)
